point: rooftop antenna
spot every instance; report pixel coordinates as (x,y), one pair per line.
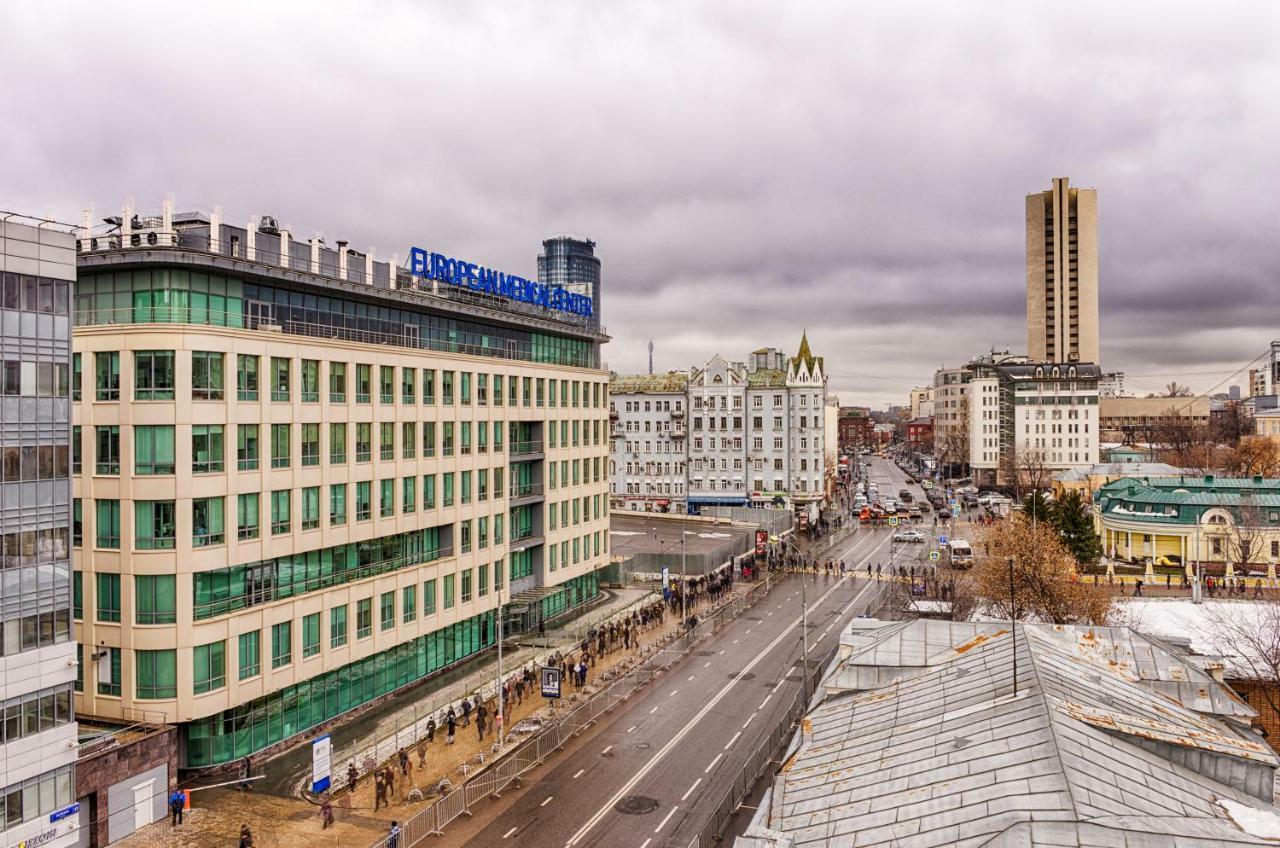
(650,357)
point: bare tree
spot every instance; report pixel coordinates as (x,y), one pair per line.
(1174,389)
(1256,456)
(1231,424)
(1244,535)
(1249,636)
(1026,470)
(1185,442)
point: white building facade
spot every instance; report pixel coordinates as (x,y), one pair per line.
(648,444)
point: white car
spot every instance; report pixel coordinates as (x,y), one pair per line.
(908,536)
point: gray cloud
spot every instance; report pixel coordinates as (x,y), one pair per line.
(749,170)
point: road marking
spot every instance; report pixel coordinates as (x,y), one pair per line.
(722,650)
(735,641)
(665,819)
(507,835)
(546,802)
(770,612)
(606,750)
(673,693)
(734,739)
(579,774)
(645,844)
(679,736)
(765,701)
(748,721)
(748,633)
(689,791)
(712,764)
(632,727)
(776,687)
(707,664)
(652,711)
(691,677)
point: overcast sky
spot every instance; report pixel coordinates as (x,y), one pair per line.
(749,170)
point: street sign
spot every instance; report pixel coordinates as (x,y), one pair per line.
(893,521)
(934,556)
(321,759)
(927,485)
(550,681)
(942,540)
(666,576)
(955,510)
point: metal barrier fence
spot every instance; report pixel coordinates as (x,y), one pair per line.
(534,751)
(370,751)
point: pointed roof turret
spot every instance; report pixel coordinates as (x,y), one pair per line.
(805,356)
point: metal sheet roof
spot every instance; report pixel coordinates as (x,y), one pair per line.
(1111,740)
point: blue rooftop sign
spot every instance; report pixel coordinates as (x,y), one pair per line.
(458,272)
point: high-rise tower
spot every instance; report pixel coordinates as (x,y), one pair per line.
(572,264)
(1062,274)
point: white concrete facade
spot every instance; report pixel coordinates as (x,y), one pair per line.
(648,446)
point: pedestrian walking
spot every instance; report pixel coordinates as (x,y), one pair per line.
(391,782)
(379,792)
(326,813)
(403,757)
(246,836)
(246,784)
(466,712)
(453,725)
(481,713)
(431,729)
(422,754)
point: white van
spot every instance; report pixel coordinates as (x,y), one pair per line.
(958,553)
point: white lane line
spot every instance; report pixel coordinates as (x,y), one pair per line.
(632,727)
(748,721)
(652,711)
(665,819)
(776,687)
(673,693)
(770,612)
(765,701)
(748,633)
(579,774)
(645,844)
(607,750)
(712,764)
(546,802)
(722,650)
(689,726)
(691,677)
(735,641)
(507,835)
(689,791)
(707,664)
(734,739)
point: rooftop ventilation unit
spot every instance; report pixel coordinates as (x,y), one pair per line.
(269,226)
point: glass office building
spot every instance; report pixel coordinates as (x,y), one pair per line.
(306,479)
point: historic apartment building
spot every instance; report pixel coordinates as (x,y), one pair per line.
(37,652)
(648,437)
(1062,274)
(305,478)
(757,434)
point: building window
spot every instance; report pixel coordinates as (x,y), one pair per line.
(386,384)
(247,447)
(428,387)
(337,382)
(386,441)
(364,618)
(387,498)
(108,523)
(281,511)
(206,448)
(247,516)
(250,654)
(107,450)
(157,674)
(409,604)
(206,375)
(364,441)
(206,522)
(408,385)
(280,379)
(310,444)
(338,626)
(209,667)
(310,375)
(364,500)
(108,597)
(153,375)
(106,375)
(155,525)
(280,444)
(338,504)
(247,377)
(387,611)
(364,383)
(153,450)
(281,644)
(310,635)
(310,507)
(429,597)
(337,444)
(111,684)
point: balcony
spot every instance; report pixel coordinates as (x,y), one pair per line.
(525,450)
(677,414)
(523,540)
(522,494)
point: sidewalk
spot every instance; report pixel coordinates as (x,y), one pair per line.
(286,822)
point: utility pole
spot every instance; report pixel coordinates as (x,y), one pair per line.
(684,585)
(501,727)
(1013,618)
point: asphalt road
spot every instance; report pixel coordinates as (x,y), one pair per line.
(653,773)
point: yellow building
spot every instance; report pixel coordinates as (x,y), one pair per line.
(305,479)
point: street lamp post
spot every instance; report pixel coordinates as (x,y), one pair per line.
(501,728)
(1013,625)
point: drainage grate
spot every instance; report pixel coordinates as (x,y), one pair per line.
(636,805)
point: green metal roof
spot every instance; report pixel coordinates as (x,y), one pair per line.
(1182,500)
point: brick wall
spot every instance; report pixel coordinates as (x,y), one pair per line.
(1254,694)
(99,770)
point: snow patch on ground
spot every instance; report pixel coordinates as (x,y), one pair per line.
(1251,820)
(1178,618)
